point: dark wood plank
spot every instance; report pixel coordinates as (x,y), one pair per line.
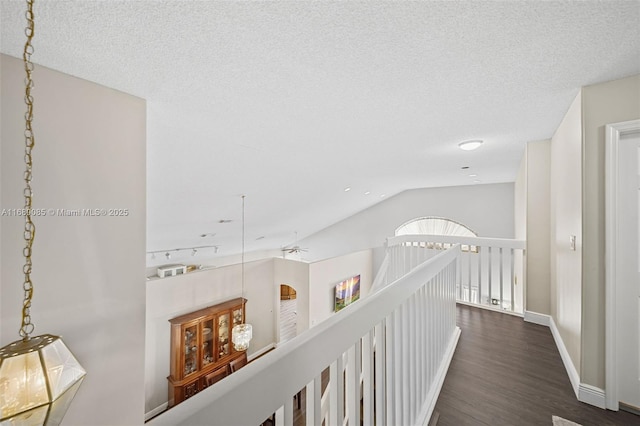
(509,372)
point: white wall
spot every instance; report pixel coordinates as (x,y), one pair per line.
(538,226)
(566,212)
(520,222)
(88,271)
(326,274)
(173,296)
(604,103)
(294,274)
(486,209)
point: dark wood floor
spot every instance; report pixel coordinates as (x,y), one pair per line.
(509,372)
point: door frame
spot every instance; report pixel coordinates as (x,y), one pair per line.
(614,133)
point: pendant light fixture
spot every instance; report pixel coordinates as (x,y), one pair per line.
(38,375)
(242,333)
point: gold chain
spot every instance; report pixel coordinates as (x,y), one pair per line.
(29,228)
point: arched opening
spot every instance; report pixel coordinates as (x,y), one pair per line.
(434,226)
(437,226)
(288,313)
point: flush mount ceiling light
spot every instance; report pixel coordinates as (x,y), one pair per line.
(39,376)
(470,145)
(347,189)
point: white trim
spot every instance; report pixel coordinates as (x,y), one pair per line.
(260,352)
(430,401)
(613,134)
(574,377)
(488,308)
(159,409)
(536,318)
(591,395)
(584,393)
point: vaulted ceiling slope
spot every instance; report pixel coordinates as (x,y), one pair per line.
(292,102)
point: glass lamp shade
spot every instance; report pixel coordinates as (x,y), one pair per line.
(242,334)
(38,379)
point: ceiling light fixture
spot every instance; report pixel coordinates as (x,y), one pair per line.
(367,193)
(473,175)
(241,334)
(208,234)
(347,189)
(39,375)
(470,145)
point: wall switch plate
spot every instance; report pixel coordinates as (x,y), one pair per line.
(572,242)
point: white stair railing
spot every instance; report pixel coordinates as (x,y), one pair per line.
(387,354)
(491,270)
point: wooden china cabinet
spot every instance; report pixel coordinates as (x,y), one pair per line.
(201,343)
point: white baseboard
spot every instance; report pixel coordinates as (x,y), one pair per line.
(432,397)
(156,411)
(592,395)
(536,318)
(574,377)
(584,393)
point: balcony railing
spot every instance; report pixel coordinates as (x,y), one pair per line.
(387,356)
(491,270)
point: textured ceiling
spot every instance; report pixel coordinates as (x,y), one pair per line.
(291,102)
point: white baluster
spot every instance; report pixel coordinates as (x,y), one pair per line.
(367,378)
(336,395)
(313,402)
(380,373)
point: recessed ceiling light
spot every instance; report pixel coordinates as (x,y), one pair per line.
(347,189)
(383,195)
(208,234)
(470,145)
(464,167)
(473,175)
(367,193)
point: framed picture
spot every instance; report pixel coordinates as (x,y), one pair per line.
(347,292)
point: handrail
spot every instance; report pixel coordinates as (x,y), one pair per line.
(261,388)
(491,270)
(454,239)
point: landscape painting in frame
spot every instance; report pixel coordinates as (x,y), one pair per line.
(347,292)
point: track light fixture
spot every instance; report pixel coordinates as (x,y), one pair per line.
(194,251)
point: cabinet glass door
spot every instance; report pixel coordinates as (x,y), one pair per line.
(190,349)
(208,349)
(223,335)
(237,316)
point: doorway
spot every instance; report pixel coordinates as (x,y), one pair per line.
(288,313)
(623,266)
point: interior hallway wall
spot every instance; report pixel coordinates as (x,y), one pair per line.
(90,153)
(486,209)
(602,104)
